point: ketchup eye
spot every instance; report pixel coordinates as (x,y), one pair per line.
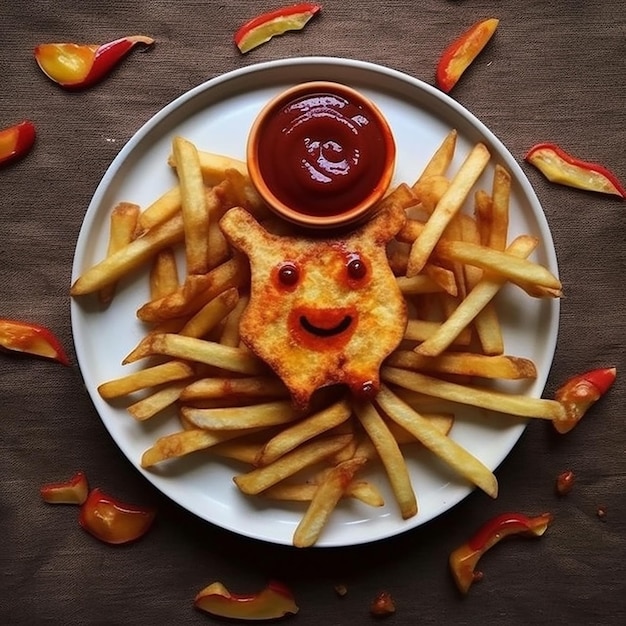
(357,270)
(288,275)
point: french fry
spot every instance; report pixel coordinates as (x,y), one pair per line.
(122,229)
(475,302)
(130,257)
(512,268)
(391,457)
(491,399)
(211,314)
(361,490)
(304,430)
(163,274)
(483,215)
(418,284)
(466,364)
(457,457)
(161,210)
(324,501)
(440,160)
(421,330)
(158,401)
(449,205)
(240,388)
(193,204)
(185,442)
(307,455)
(444,277)
(214,166)
(262,415)
(148,377)
(195,292)
(208,352)
(500,194)
(230,332)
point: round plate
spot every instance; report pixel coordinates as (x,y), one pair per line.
(217,116)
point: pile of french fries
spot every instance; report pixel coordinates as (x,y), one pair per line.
(451,259)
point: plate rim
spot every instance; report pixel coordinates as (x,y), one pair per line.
(328,62)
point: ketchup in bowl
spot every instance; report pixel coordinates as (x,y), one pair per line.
(321,155)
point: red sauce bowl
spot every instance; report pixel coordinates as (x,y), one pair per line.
(321,155)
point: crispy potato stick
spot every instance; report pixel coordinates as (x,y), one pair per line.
(242,417)
(123,226)
(214,166)
(448,207)
(164,208)
(324,502)
(304,430)
(500,195)
(475,302)
(418,284)
(444,277)
(511,404)
(194,206)
(411,230)
(163,274)
(243,388)
(420,330)
(196,291)
(130,257)
(466,364)
(209,352)
(430,190)
(440,160)
(401,195)
(441,421)
(151,405)
(457,457)
(184,442)
(238,450)
(454,231)
(230,332)
(148,377)
(259,479)
(361,490)
(390,455)
(486,323)
(244,194)
(483,215)
(211,314)
(218,248)
(512,268)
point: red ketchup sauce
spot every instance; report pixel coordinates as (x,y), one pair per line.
(323,153)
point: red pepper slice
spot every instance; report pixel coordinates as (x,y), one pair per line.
(463,560)
(560,167)
(32,339)
(75,66)
(16,141)
(459,55)
(112,521)
(579,392)
(72,491)
(273,602)
(262,28)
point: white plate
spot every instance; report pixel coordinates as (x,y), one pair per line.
(216,116)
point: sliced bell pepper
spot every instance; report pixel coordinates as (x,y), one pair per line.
(112,521)
(270,603)
(32,339)
(565,482)
(463,560)
(262,28)
(77,66)
(560,167)
(72,491)
(383,605)
(579,392)
(459,55)
(16,141)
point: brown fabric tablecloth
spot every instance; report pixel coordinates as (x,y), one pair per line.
(554,72)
